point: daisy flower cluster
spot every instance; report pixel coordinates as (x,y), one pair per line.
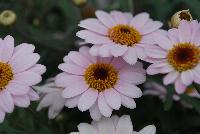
(106,76)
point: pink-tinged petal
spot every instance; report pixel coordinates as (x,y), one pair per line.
(163,41)
(140,52)
(147,40)
(21,101)
(106,126)
(156,52)
(72,102)
(52,113)
(87,99)
(128,102)
(129,16)
(104,50)
(78,59)
(23,49)
(27,77)
(92,37)
(139,20)
(85,128)
(6,48)
(130,56)
(170,77)
(124,125)
(166,69)
(94,112)
(151,70)
(118,50)
(72,69)
(132,77)
(103,106)
(184,31)
(6,102)
(74,89)
(94,25)
(33,95)
(118,63)
(113,98)
(64,80)
(38,68)
(16,88)
(2,116)
(150,27)
(150,129)
(173,35)
(85,52)
(94,50)
(105,59)
(187,77)
(58,103)
(129,90)
(105,18)
(179,86)
(21,63)
(119,17)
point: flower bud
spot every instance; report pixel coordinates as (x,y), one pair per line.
(8,18)
(79,3)
(178,16)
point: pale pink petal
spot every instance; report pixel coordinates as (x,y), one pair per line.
(104,50)
(85,52)
(187,77)
(103,106)
(118,63)
(113,98)
(130,56)
(46,101)
(27,77)
(16,88)
(72,69)
(115,119)
(94,50)
(87,99)
(184,31)
(139,20)
(78,59)
(166,69)
(52,113)
(33,95)
(140,52)
(2,116)
(129,90)
(118,50)
(129,16)
(106,126)
(170,77)
(156,52)
(85,128)
(75,89)
(21,101)
(179,86)
(95,112)
(6,48)
(38,68)
(150,27)
(21,63)
(128,102)
(151,70)
(6,101)
(124,125)
(72,102)
(59,102)
(163,41)
(119,17)
(94,25)
(150,129)
(92,37)
(173,35)
(105,18)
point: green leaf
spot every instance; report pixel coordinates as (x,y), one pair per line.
(169,98)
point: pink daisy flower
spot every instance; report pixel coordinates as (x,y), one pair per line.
(99,84)
(113,125)
(177,54)
(51,96)
(18,72)
(119,34)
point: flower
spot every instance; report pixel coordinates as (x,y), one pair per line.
(119,34)
(18,72)
(51,97)
(177,53)
(113,125)
(153,88)
(99,84)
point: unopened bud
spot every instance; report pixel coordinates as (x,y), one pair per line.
(79,3)
(8,18)
(178,16)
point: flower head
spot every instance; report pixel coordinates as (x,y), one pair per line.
(177,53)
(18,72)
(119,34)
(99,84)
(113,125)
(51,97)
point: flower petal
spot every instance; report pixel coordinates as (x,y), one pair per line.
(113,98)
(103,106)
(124,125)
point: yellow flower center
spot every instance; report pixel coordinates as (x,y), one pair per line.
(101,76)
(189,90)
(184,56)
(6,75)
(124,35)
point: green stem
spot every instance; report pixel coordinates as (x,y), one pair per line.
(131,6)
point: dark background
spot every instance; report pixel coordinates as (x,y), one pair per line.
(51,26)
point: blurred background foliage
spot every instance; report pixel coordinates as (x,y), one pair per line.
(51,26)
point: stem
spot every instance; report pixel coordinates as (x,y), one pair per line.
(131,6)
(61,128)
